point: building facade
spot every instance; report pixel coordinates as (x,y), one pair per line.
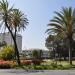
(6,38)
(29,53)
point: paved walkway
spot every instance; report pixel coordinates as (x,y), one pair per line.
(36,72)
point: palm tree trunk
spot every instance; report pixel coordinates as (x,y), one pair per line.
(16,52)
(16,49)
(70,51)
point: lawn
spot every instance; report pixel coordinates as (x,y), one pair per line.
(48,62)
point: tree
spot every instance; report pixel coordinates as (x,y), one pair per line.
(53,44)
(63,24)
(17,22)
(6,17)
(7,53)
(35,54)
(40,53)
(49,42)
(50,45)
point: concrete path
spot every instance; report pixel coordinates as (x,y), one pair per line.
(36,72)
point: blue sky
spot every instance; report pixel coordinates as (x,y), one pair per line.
(38,12)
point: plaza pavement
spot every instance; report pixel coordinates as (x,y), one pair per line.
(36,72)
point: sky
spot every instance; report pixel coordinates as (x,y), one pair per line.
(38,12)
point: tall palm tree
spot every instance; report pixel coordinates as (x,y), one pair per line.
(17,22)
(63,24)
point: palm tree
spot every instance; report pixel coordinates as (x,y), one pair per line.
(63,24)
(17,22)
(6,18)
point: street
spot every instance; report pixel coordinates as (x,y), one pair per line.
(36,72)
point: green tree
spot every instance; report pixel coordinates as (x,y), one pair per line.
(49,42)
(40,52)
(64,24)
(35,54)
(7,53)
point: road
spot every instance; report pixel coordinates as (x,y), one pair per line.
(36,72)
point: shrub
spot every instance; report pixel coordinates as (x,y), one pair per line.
(60,67)
(38,67)
(36,62)
(67,66)
(5,66)
(7,53)
(54,65)
(26,62)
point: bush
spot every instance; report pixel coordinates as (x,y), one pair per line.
(60,67)
(7,53)
(38,68)
(54,65)
(26,62)
(5,66)
(36,62)
(67,66)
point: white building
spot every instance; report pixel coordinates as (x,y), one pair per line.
(28,53)
(6,37)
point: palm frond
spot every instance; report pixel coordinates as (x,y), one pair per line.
(60,15)
(55,25)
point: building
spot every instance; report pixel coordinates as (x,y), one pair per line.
(7,39)
(28,53)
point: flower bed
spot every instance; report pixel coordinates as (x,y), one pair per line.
(29,62)
(12,64)
(6,64)
(26,62)
(36,62)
